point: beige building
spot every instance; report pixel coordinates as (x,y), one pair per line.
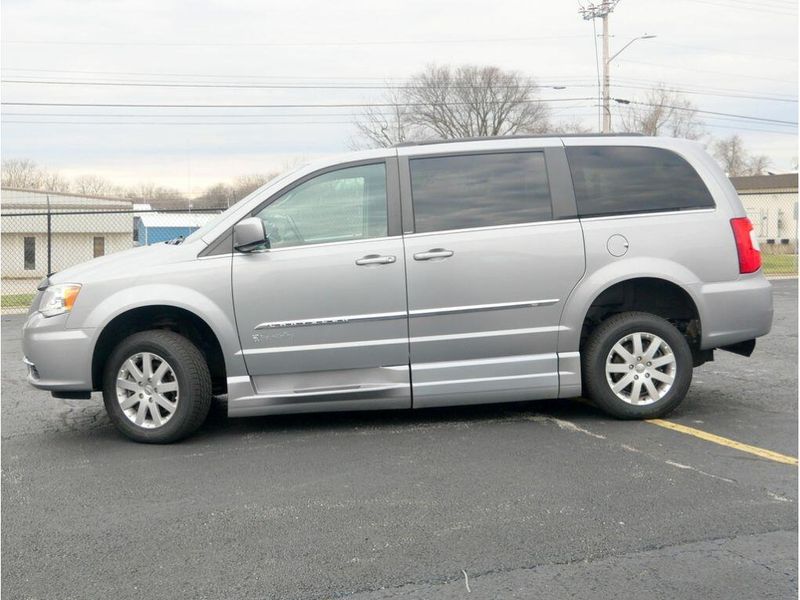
(771,204)
(75,236)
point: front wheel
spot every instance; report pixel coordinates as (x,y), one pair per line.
(157,387)
(637,366)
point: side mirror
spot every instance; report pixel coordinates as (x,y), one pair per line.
(249,234)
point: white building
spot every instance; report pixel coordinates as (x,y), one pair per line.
(75,237)
(771,205)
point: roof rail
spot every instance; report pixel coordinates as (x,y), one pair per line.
(512,137)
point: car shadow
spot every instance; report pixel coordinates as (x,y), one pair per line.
(219,425)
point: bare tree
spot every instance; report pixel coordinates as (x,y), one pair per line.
(467,101)
(94,185)
(26,174)
(384,126)
(758,164)
(567,127)
(662,112)
(223,194)
(159,197)
(246,184)
(731,155)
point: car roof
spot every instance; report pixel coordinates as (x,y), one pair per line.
(513,137)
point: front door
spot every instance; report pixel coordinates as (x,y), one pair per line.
(322,314)
(489,267)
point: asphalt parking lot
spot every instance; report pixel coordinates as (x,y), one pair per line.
(531,500)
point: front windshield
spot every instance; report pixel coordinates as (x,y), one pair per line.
(217,219)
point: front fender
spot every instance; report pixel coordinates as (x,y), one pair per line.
(202,288)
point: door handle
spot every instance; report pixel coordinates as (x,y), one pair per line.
(375,259)
(434,253)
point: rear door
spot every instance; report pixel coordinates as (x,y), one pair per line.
(492,250)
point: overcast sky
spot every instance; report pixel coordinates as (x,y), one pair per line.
(734,56)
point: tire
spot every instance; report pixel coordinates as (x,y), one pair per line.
(168,406)
(605,364)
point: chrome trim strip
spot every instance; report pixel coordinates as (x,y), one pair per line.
(550,222)
(452,310)
(425,312)
(343,389)
(483,334)
(332,346)
(331,320)
(481,362)
(483,379)
(652,213)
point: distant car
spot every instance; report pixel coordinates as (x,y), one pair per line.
(428,274)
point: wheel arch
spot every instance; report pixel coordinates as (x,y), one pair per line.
(653,271)
(160,316)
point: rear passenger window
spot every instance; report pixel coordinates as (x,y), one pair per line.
(612,180)
(479,190)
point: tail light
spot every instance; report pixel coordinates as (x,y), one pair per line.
(746,245)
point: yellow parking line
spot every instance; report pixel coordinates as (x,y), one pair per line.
(722,441)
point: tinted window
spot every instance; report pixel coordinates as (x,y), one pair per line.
(348,204)
(30,253)
(457,192)
(613,180)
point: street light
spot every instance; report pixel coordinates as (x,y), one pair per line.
(607,76)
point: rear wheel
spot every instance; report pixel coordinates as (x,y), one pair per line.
(637,366)
(157,387)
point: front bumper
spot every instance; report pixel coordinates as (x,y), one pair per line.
(58,359)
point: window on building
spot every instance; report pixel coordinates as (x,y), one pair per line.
(99,246)
(30,253)
(612,180)
(479,190)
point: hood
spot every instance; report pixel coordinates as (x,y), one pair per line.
(128,263)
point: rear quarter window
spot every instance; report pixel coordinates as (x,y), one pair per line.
(613,180)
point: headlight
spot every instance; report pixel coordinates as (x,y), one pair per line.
(59,299)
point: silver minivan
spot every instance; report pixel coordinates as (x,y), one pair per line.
(429,274)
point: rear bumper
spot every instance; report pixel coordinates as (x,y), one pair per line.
(734,311)
(57,358)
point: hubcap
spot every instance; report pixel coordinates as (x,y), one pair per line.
(147,390)
(640,368)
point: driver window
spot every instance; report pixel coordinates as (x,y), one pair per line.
(348,204)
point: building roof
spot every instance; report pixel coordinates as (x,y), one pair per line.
(17,199)
(66,194)
(761,183)
(175,219)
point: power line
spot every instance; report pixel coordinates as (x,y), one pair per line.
(728,51)
(341,105)
(769,9)
(352,87)
(288,44)
(706,112)
(257,86)
(715,72)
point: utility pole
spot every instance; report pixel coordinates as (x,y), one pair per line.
(606,79)
(590,12)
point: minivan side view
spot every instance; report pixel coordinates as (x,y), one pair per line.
(423,275)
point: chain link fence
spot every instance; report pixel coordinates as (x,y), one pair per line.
(37,242)
(774,218)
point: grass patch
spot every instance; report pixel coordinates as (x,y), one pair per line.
(16,300)
(779,264)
